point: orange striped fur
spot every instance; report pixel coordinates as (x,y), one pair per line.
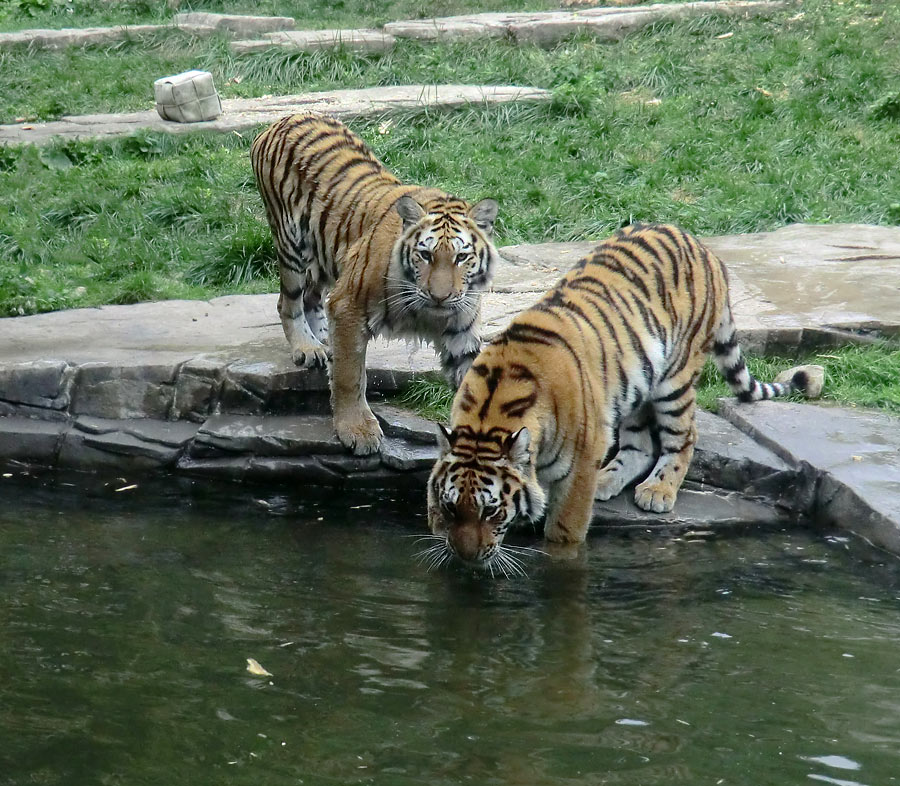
(604,363)
(396,259)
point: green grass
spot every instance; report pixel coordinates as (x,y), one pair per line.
(856,376)
(144,218)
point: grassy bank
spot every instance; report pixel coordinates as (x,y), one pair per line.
(720,125)
(863,376)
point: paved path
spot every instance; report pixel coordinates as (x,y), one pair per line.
(248,113)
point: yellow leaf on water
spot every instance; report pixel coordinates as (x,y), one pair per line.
(254,667)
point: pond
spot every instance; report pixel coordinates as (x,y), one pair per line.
(127,618)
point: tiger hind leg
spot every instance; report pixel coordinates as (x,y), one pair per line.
(634,457)
(675,424)
(314,310)
(307,348)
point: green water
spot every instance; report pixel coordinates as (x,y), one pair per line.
(126,619)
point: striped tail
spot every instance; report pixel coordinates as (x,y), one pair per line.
(730,361)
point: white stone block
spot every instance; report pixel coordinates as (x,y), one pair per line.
(189,97)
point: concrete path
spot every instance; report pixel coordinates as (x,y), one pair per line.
(240,114)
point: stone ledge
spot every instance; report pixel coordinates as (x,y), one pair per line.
(702,509)
(855,456)
(550,27)
(361,41)
(31,441)
(248,114)
(238,24)
(197,23)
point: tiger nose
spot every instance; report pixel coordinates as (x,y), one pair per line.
(438,298)
(465,542)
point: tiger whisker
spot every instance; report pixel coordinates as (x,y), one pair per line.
(526,550)
(439,560)
(510,563)
(424,553)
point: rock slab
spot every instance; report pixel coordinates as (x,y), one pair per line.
(856,454)
(245,114)
(360,41)
(549,28)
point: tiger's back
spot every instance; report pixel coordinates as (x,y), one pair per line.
(609,356)
(306,166)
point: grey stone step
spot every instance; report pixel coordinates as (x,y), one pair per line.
(197,23)
(702,511)
(856,455)
(361,41)
(189,359)
(237,24)
(247,114)
(549,28)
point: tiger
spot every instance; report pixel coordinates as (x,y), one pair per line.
(360,254)
(604,363)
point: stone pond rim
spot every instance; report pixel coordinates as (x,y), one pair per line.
(207,389)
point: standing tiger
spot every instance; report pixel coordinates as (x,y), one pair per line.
(608,356)
(397,259)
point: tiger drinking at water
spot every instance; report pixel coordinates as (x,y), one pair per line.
(608,357)
(400,260)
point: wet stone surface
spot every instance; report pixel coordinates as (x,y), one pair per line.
(856,455)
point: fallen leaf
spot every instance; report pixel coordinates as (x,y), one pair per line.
(254,667)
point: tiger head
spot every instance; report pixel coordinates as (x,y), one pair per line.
(444,252)
(481,484)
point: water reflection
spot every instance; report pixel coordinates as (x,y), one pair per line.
(126,629)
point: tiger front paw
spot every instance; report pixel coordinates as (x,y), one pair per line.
(310,355)
(657,497)
(359,432)
(609,483)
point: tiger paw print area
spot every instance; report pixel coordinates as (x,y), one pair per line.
(209,389)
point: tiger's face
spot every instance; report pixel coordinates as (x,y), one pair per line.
(444,253)
(480,486)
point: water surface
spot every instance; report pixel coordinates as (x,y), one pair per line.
(126,619)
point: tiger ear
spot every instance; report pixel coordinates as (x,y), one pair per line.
(516,448)
(484,213)
(410,211)
(444,439)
